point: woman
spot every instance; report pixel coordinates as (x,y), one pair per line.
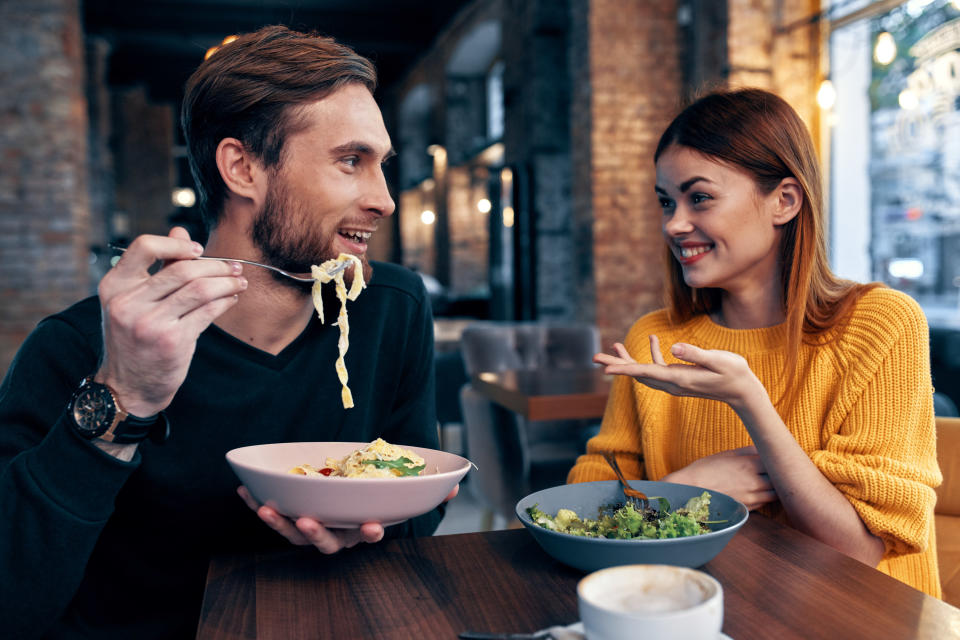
(793,391)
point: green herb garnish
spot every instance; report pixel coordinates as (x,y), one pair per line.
(398,465)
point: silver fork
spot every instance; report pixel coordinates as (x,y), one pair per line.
(300,278)
(637,498)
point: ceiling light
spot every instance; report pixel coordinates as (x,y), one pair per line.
(183,197)
(428,217)
(483,205)
(885,51)
(826,95)
(908,99)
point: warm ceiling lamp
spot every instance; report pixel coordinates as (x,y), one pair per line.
(826,95)
(428,217)
(885,50)
(483,205)
(908,100)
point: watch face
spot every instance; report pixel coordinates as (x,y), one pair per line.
(94,410)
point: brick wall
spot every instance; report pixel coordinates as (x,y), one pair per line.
(771,45)
(144,167)
(44,208)
(635,83)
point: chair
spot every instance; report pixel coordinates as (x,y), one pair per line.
(516,456)
(947,510)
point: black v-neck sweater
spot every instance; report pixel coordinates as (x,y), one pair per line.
(94,547)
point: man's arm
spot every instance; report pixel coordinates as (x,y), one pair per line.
(56,489)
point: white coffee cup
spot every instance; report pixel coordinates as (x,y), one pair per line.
(650,601)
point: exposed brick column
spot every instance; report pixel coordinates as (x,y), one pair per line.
(774,46)
(44,207)
(635,84)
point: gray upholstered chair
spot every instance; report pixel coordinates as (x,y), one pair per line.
(515,456)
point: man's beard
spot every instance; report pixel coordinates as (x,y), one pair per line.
(287,239)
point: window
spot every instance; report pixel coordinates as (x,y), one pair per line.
(895,153)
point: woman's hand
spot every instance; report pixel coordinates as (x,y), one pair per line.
(712,374)
(739,473)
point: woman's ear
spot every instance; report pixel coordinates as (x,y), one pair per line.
(240,171)
(789,199)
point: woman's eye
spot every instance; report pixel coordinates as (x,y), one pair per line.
(699,198)
(666,203)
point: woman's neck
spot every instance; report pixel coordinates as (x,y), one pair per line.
(751,310)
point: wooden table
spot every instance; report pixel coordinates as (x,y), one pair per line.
(778,583)
(548,394)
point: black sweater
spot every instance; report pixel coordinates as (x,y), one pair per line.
(94,547)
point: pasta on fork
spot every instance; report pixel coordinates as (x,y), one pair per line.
(322,276)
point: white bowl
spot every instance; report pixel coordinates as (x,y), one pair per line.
(343,503)
(650,601)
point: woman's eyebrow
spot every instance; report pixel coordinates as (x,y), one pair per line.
(684,186)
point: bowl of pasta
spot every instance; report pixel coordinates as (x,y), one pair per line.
(589,527)
(345,484)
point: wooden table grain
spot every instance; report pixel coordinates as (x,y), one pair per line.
(547,394)
(778,583)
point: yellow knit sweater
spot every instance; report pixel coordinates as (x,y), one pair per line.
(864,415)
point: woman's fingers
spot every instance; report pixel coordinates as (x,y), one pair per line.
(655,350)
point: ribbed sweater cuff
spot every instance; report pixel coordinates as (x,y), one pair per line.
(75,474)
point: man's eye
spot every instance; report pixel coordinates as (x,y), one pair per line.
(351,161)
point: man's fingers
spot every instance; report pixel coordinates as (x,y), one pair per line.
(373,531)
(453,493)
(147,249)
(197,320)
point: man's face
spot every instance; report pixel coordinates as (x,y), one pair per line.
(328,194)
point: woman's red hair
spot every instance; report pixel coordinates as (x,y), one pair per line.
(759,133)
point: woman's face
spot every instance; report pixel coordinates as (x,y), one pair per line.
(719,227)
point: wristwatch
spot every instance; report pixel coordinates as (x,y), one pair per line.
(96,412)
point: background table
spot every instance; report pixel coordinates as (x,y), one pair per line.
(778,583)
(547,394)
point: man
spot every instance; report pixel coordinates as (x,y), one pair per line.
(111,539)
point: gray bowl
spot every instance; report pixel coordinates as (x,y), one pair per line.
(590,554)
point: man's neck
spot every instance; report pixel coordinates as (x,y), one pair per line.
(268,315)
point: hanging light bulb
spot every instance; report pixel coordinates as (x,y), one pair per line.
(826,95)
(886,49)
(908,100)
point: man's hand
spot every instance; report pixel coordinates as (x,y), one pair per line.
(307,531)
(739,473)
(151,322)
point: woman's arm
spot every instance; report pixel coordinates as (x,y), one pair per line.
(813,504)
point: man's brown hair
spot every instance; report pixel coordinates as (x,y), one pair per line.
(250,89)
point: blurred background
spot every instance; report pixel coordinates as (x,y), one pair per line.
(524,129)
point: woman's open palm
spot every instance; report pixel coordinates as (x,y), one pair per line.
(713,374)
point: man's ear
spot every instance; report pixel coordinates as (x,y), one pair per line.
(788,200)
(241,171)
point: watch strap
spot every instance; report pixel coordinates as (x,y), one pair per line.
(135,429)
